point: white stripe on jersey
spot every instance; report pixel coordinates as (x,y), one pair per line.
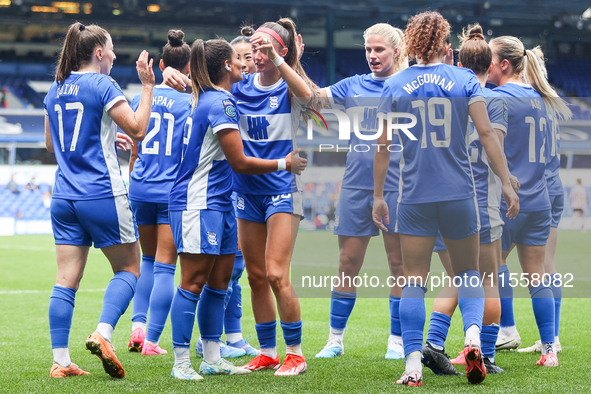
(191,231)
(329,96)
(279,128)
(468,141)
(197,189)
(400,187)
(111,103)
(476,99)
(224,126)
(108,135)
(125,219)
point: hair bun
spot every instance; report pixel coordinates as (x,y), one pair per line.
(175,38)
(476,33)
(247,31)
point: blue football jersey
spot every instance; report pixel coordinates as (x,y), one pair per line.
(360,95)
(267,126)
(204,179)
(488,185)
(551,172)
(159,154)
(434,167)
(525,145)
(83,136)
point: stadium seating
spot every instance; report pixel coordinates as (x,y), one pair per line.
(27,204)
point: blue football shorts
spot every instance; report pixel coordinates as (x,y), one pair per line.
(353,216)
(259,208)
(104,222)
(457,219)
(149,213)
(204,231)
(557,203)
(528,228)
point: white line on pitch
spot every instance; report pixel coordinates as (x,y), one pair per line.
(46,291)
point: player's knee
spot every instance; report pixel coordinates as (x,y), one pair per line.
(278,280)
(349,264)
(256,279)
(396,269)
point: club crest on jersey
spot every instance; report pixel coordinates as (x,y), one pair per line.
(229,109)
(505,112)
(240,203)
(212,238)
(115,83)
(274,102)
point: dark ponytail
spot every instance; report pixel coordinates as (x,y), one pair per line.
(78,48)
(475,53)
(207,65)
(286,28)
(176,52)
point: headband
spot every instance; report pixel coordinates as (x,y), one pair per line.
(272,33)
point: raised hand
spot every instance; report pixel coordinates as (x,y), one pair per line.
(144,69)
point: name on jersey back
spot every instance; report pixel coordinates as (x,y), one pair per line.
(68,89)
(163,100)
(428,78)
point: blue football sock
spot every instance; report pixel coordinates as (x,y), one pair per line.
(341,306)
(557,292)
(438,328)
(118,295)
(267,335)
(141,300)
(412,317)
(182,317)
(506,295)
(488,339)
(542,301)
(210,313)
(395,316)
(292,333)
(470,298)
(233,311)
(61,309)
(233,304)
(160,299)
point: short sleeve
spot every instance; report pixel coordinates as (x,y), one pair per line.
(387,98)
(473,89)
(498,114)
(338,92)
(109,92)
(223,114)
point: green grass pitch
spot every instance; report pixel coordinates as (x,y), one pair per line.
(27,267)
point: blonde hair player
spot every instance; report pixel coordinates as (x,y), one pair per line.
(354,226)
(526,156)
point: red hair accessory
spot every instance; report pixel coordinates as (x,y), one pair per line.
(272,33)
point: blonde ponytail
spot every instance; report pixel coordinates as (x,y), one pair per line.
(538,78)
